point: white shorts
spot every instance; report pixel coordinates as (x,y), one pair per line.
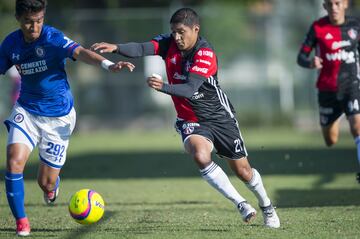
(51,134)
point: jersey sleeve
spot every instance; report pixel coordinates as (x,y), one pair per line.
(65,45)
(5,62)
(161,44)
(309,42)
(306,48)
(204,64)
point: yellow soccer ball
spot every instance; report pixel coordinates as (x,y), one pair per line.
(86,206)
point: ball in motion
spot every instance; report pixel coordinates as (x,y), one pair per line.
(86,206)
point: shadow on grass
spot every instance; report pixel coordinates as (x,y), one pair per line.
(289,198)
(87,229)
(178,164)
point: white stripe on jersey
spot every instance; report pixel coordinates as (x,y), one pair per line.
(221,95)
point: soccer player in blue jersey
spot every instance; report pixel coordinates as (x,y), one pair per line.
(43,115)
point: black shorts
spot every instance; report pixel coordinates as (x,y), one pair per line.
(332,106)
(225,136)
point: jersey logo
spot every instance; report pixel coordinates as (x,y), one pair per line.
(68,42)
(15,56)
(173,60)
(178,76)
(18,118)
(341,55)
(197,96)
(352,34)
(205,53)
(40,52)
(328,36)
(199,69)
(340,44)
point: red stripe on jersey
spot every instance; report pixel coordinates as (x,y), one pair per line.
(327,37)
(156,47)
(306,49)
(204,63)
(174,64)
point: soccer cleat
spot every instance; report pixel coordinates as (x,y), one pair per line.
(247,212)
(50,197)
(358,177)
(23,227)
(271,219)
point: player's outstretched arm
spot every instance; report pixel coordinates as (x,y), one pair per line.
(104,47)
(93,58)
(130,49)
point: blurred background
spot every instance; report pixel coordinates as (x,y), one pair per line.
(256,41)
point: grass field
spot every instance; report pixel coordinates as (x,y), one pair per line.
(152,189)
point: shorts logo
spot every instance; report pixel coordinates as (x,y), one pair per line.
(40,52)
(188,130)
(18,118)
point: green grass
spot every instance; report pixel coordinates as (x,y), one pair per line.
(152,189)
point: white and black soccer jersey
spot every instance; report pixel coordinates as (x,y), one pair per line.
(202,107)
(209,102)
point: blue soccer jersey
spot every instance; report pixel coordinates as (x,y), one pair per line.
(44,89)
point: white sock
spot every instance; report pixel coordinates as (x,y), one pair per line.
(357,142)
(257,187)
(217,178)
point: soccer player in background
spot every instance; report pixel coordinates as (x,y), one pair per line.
(205,116)
(44,115)
(336,38)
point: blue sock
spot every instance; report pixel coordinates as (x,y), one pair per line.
(14,183)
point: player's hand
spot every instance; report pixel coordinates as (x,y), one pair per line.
(317,63)
(155,81)
(104,47)
(121,64)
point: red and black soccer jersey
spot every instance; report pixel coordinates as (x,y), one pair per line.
(338,47)
(209,102)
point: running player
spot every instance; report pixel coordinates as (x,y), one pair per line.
(337,42)
(44,115)
(205,116)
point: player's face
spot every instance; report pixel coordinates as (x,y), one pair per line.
(185,36)
(31,25)
(336,10)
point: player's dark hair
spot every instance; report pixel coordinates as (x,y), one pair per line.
(29,6)
(186,16)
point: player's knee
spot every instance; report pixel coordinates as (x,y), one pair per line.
(202,158)
(15,164)
(330,141)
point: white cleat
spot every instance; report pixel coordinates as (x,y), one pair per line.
(271,218)
(247,212)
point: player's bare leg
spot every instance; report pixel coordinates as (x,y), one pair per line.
(200,149)
(48,180)
(17,156)
(354,122)
(331,133)
(253,181)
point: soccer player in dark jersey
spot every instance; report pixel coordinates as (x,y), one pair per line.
(43,115)
(336,38)
(205,116)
